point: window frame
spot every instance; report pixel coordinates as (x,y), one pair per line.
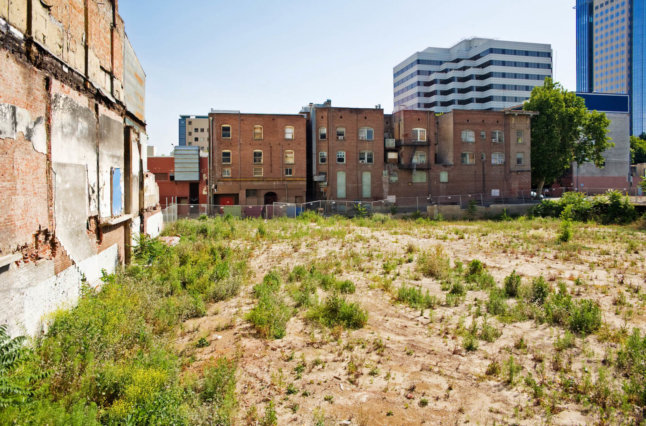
(338,136)
(367,155)
(496,158)
(323,156)
(419,153)
(293,133)
(521,156)
(444,176)
(226,151)
(520,136)
(289,156)
(366,134)
(495,138)
(222,126)
(226,172)
(255,172)
(255,161)
(415,173)
(291,171)
(468,136)
(323,130)
(255,133)
(416,134)
(338,154)
(468,154)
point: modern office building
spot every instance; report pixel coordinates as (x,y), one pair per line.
(477,73)
(194,131)
(611,51)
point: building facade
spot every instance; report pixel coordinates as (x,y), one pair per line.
(74,194)
(182,178)
(346,159)
(480,74)
(457,153)
(257,159)
(194,131)
(611,52)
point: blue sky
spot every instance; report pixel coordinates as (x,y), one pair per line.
(276,56)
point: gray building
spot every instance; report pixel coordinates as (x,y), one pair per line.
(477,73)
(616,172)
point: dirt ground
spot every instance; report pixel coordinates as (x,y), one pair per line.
(408,366)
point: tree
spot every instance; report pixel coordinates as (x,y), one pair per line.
(638,149)
(563,132)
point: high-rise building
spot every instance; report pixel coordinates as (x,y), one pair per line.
(611,51)
(481,74)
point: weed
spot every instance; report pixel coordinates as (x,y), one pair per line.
(423,402)
(488,333)
(346,287)
(564,342)
(512,284)
(493,369)
(414,297)
(540,290)
(202,342)
(219,387)
(269,317)
(470,342)
(434,263)
(270,418)
(337,311)
(497,305)
(512,369)
(565,234)
(329,398)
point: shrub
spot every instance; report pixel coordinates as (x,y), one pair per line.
(540,290)
(565,234)
(414,297)
(271,314)
(497,305)
(476,273)
(434,263)
(565,342)
(218,388)
(488,333)
(337,311)
(13,388)
(613,207)
(512,284)
(346,286)
(631,361)
(586,317)
(469,342)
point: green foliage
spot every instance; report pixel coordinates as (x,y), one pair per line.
(434,263)
(565,233)
(497,303)
(414,297)
(488,333)
(476,274)
(512,369)
(563,132)
(270,418)
(564,342)
(611,207)
(270,315)
(13,385)
(218,389)
(337,311)
(540,290)
(512,284)
(470,342)
(638,149)
(346,286)
(586,317)
(631,361)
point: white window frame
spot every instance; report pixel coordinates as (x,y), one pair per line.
(366,134)
(226,172)
(366,157)
(497,158)
(289,133)
(444,177)
(340,154)
(419,157)
(323,157)
(323,132)
(497,136)
(222,157)
(257,151)
(340,133)
(468,136)
(419,134)
(520,156)
(257,172)
(262,132)
(520,136)
(291,171)
(222,131)
(289,156)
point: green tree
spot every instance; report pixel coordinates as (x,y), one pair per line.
(563,132)
(638,149)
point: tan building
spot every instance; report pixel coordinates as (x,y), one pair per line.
(257,159)
(194,131)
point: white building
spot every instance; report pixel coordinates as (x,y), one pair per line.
(482,74)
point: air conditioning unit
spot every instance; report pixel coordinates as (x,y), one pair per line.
(340,138)
(390,143)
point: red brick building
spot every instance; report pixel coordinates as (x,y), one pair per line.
(460,152)
(182,192)
(347,152)
(257,158)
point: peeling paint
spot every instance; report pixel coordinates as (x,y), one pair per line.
(14,120)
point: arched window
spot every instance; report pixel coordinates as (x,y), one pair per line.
(257,133)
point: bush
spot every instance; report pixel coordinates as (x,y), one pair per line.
(565,234)
(414,297)
(512,284)
(434,263)
(497,304)
(586,317)
(631,361)
(540,291)
(269,317)
(219,387)
(337,311)
(346,287)
(611,207)
(14,388)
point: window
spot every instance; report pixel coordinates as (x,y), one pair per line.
(520,158)
(201,130)
(340,133)
(225,130)
(190,133)
(519,136)
(322,157)
(257,172)
(483,135)
(444,177)
(366,134)
(468,158)
(257,133)
(190,122)
(340,157)
(251,193)
(468,136)
(289,171)
(366,185)
(419,157)
(226,172)
(226,157)
(366,157)
(394,177)
(257,157)
(322,133)
(289,156)
(289,132)
(497,136)
(197,139)
(419,176)
(419,134)
(498,158)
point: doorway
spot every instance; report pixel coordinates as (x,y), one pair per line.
(194,193)
(271,198)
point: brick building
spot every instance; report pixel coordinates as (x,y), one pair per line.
(346,152)
(460,152)
(74,194)
(173,187)
(257,158)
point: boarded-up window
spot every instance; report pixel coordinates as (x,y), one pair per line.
(366,184)
(419,176)
(340,184)
(289,156)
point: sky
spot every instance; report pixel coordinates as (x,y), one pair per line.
(277,56)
